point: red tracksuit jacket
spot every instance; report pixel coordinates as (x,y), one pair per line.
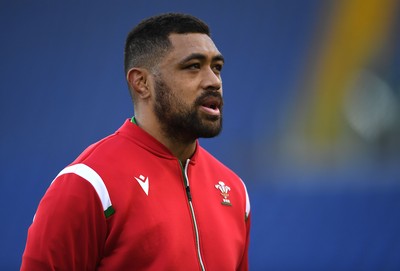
(126,203)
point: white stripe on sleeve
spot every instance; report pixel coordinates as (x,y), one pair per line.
(93,178)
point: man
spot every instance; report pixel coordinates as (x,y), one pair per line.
(149,197)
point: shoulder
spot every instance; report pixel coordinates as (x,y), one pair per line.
(207,159)
(81,177)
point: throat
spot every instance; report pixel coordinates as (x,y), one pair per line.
(182,150)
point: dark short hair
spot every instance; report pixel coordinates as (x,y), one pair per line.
(148,41)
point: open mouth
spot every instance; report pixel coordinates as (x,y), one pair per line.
(212,105)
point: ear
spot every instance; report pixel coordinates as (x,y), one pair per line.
(138,80)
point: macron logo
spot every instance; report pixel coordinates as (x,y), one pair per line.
(144,183)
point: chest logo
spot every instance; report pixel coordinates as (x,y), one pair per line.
(144,183)
(224,189)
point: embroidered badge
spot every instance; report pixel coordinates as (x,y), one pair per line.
(224,192)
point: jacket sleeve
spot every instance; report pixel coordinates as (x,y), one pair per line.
(244,265)
(69,228)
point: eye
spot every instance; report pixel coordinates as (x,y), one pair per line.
(193,66)
(217,68)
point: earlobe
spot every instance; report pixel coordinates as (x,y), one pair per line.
(138,82)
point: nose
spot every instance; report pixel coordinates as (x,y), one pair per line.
(211,80)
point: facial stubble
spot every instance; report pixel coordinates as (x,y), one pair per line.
(181,121)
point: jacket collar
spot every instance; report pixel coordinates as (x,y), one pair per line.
(134,133)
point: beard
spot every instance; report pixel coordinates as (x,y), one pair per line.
(181,121)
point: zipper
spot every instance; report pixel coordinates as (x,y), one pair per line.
(189,196)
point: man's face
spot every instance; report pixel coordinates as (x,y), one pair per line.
(188,88)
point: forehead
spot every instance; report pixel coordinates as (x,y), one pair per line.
(192,43)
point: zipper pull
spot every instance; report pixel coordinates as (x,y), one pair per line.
(188,193)
(184,171)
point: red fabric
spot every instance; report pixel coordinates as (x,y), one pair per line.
(146,232)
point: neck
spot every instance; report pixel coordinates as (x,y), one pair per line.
(181,149)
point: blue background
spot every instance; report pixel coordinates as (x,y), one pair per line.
(62,88)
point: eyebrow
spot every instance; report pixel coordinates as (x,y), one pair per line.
(198,56)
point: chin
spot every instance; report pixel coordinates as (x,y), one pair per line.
(211,130)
